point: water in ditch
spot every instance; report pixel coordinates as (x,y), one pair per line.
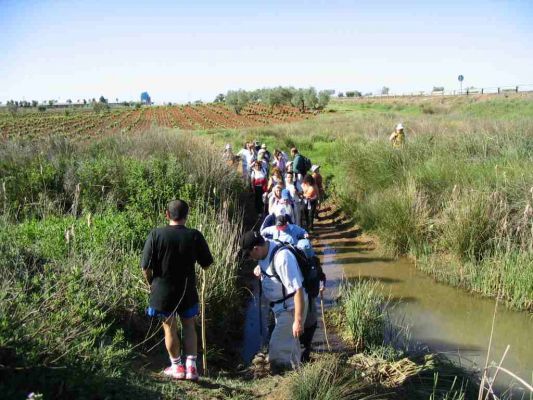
(441,317)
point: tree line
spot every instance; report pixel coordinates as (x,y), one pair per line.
(304,99)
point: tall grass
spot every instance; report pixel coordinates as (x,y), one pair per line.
(364,308)
(329,378)
(73,224)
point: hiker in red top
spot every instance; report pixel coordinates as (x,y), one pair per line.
(258,181)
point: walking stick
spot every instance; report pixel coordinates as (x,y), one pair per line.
(204,346)
(324,320)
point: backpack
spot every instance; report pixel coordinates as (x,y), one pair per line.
(306,164)
(309,267)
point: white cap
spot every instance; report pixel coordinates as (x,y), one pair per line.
(228,146)
(264,146)
(314,168)
(399,126)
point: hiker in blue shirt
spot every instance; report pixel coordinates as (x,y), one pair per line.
(284,232)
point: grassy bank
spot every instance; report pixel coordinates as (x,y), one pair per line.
(458,196)
(74,220)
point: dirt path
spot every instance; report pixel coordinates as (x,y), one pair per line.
(334,234)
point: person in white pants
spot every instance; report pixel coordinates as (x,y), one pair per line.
(282,285)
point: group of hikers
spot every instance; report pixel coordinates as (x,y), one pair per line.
(290,273)
(280,186)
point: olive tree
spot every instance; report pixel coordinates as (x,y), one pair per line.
(323,98)
(310,98)
(297,100)
(237,100)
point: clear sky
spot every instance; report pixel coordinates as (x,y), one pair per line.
(188,50)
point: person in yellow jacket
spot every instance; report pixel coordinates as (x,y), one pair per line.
(397,138)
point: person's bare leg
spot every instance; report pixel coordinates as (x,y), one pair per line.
(189,336)
(172,341)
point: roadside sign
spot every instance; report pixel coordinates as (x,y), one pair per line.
(460,78)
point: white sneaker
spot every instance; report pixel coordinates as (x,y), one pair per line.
(175,371)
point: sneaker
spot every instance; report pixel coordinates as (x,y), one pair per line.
(192,374)
(175,371)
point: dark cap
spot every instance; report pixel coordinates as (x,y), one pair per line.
(249,240)
(281,220)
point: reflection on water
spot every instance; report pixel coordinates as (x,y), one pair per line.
(440,316)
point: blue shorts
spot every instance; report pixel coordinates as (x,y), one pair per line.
(189,313)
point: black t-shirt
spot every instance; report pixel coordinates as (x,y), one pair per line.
(171,253)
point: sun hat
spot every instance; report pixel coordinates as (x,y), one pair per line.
(228,146)
(314,168)
(264,146)
(249,240)
(285,195)
(399,126)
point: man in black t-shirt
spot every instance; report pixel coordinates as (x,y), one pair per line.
(168,260)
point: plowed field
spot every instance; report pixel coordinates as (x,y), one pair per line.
(88,123)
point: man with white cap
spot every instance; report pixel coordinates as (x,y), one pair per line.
(397,138)
(228,155)
(266,154)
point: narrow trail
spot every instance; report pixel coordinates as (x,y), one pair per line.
(334,235)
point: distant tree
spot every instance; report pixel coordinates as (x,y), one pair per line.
(297,100)
(237,100)
(323,98)
(116,100)
(272,97)
(198,102)
(138,106)
(101,106)
(340,94)
(368,94)
(41,108)
(353,93)
(50,102)
(34,103)
(255,95)
(125,104)
(69,102)
(384,90)
(84,102)
(220,98)
(12,107)
(310,98)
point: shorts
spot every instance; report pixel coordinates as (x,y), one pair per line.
(189,313)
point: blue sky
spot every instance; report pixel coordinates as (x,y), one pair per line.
(181,51)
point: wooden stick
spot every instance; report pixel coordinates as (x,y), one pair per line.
(484,377)
(204,345)
(324,320)
(523,382)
